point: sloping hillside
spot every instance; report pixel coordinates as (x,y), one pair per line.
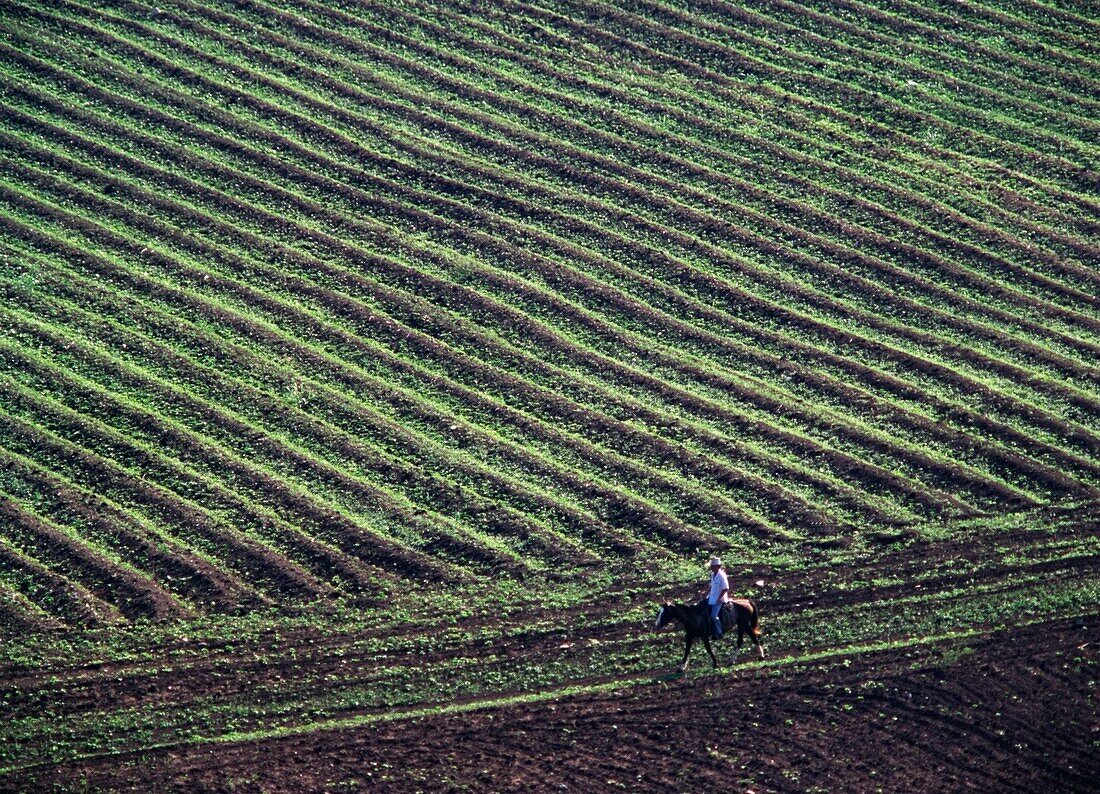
(306,299)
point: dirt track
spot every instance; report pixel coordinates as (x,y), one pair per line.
(1008,712)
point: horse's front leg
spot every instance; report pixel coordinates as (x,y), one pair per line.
(688,641)
(713,658)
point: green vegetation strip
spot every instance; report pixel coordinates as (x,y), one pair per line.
(773,666)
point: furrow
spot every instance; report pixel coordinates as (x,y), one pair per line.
(663,451)
(775,128)
(522,422)
(1026,73)
(606,98)
(500,178)
(252,561)
(58,596)
(881,295)
(707,53)
(735,89)
(867,64)
(326,522)
(677,164)
(19,616)
(441,497)
(194,578)
(134,595)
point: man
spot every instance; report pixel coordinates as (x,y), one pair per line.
(718,594)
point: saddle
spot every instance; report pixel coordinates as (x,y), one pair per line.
(727,615)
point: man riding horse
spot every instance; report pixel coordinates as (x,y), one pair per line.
(704,619)
(718,594)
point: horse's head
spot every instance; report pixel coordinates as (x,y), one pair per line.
(664,615)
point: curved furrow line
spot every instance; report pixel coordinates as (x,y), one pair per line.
(661,449)
(619,143)
(222,394)
(692,49)
(765,125)
(778,41)
(328,526)
(124,430)
(500,177)
(20,616)
(265,57)
(819,52)
(735,91)
(271,573)
(430,351)
(63,599)
(105,577)
(695,115)
(639,445)
(300,224)
(302,420)
(339,408)
(1036,26)
(890,29)
(500,411)
(496,486)
(720,508)
(194,578)
(151,199)
(249,557)
(1036,156)
(900,272)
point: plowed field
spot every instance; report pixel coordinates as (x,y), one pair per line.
(1011,711)
(368,367)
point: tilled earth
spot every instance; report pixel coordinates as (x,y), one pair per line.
(1014,710)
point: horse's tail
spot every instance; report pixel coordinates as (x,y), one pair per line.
(754,618)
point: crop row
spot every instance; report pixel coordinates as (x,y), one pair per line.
(302,301)
(965,128)
(598,91)
(618,144)
(238,100)
(328,365)
(716,81)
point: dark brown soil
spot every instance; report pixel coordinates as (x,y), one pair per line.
(1008,712)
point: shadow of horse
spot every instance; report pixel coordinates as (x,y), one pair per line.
(695,618)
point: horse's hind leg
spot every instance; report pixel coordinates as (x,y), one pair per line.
(740,642)
(713,658)
(755,634)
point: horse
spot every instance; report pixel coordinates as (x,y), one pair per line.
(695,618)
